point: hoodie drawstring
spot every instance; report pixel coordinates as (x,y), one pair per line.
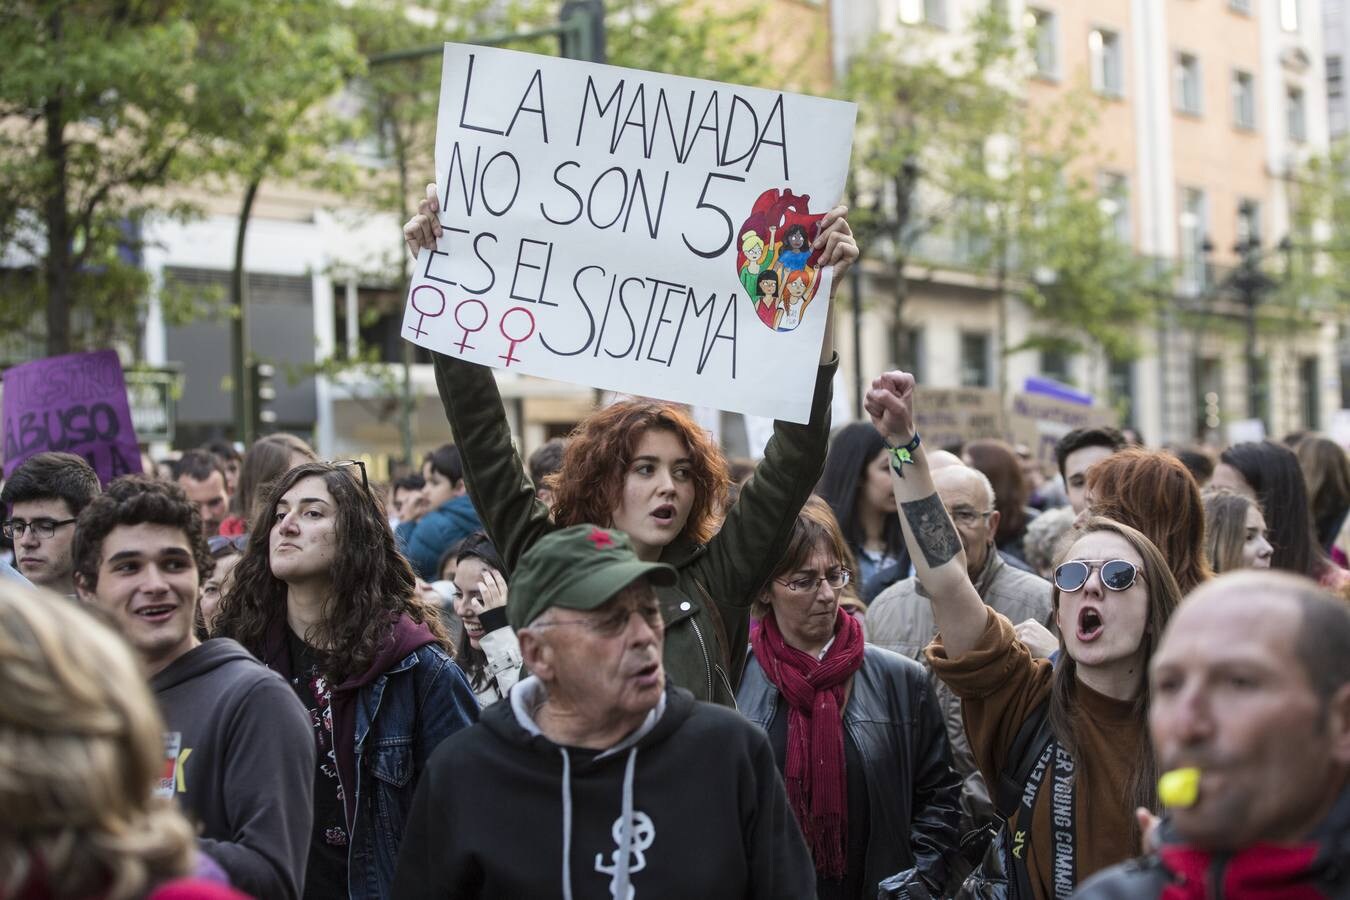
(626,829)
(624,855)
(567,824)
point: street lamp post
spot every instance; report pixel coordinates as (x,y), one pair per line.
(1250,284)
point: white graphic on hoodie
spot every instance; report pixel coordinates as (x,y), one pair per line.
(644,832)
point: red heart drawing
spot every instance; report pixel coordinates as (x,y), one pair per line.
(778,269)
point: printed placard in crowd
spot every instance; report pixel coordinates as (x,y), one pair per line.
(1040,421)
(643,233)
(76,403)
(949,416)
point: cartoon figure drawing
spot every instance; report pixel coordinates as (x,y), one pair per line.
(797,288)
(780,277)
(796,249)
(766,290)
(756,260)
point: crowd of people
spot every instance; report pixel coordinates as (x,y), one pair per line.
(877,668)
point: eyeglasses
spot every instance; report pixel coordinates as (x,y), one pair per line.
(835,578)
(614,623)
(346,463)
(1117,574)
(969,517)
(43,528)
(221,545)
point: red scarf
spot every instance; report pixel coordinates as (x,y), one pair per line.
(817,786)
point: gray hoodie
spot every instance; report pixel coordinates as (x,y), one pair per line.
(239,756)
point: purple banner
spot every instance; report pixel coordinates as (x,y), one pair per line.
(76,403)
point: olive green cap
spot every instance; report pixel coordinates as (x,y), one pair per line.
(578,567)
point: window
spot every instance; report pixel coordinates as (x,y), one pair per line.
(1297,124)
(1188,88)
(1249,222)
(1335,92)
(1043,25)
(925,12)
(1289,15)
(1108,62)
(1120,389)
(1310,396)
(1244,100)
(1115,205)
(975,363)
(1055,364)
(1193,227)
(371,320)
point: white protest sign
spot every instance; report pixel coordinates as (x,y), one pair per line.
(643,233)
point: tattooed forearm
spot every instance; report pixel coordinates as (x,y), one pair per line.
(932,529)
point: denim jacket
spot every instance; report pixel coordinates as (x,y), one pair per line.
(403,707)
(401,717)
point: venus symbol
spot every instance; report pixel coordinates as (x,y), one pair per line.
(510,354)
(469,328)
(423,314)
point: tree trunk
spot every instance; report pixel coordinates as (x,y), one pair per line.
(243,380)
(901,351)
(56,267)
(407,404)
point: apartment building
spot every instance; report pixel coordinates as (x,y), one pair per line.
(1203,109)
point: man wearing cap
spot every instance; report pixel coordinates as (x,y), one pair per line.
(1249,711)
(597,779)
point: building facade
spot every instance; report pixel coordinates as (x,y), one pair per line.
(1204,109)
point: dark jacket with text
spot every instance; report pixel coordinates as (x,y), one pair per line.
(502,811)
(239,756)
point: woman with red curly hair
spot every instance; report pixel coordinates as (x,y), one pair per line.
(646,469)
(1154,493)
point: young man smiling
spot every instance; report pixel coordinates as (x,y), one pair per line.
(44,496)
(239,754)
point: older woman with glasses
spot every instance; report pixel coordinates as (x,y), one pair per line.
(855,729)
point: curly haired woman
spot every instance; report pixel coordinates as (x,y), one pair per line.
(648,470)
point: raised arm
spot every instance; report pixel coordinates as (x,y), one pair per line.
(934,546)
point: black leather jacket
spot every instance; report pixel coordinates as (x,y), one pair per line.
(914,795)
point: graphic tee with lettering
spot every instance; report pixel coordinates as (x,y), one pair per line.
(326,873)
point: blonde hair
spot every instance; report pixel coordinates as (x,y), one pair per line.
(81,749)
(750,240)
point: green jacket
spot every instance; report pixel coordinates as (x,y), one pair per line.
(708,612)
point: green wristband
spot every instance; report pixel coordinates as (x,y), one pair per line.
(902,456)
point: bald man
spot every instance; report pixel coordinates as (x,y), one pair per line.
(1250,685)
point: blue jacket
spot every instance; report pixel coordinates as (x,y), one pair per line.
(425,540)
(413,697)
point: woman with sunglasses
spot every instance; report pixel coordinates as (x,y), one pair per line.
(1070,736)
(323,596)
(855,729)
(648,470)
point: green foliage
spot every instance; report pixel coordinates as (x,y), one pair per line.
(107,103)
(953,168)
(1313,269)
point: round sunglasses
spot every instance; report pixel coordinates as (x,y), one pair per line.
(1117,574)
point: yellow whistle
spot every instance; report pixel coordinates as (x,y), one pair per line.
(1179,787)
